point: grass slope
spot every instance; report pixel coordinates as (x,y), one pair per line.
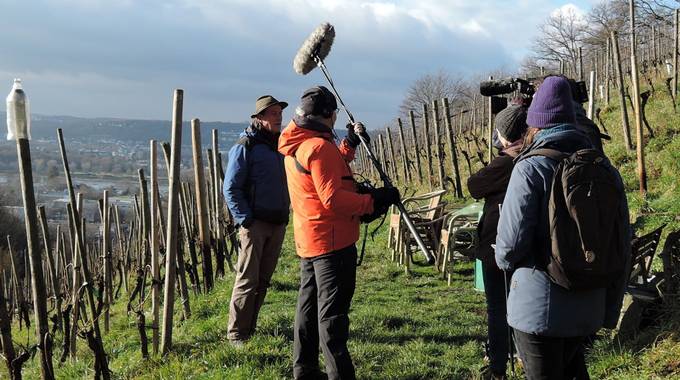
(406,327)
(402,327)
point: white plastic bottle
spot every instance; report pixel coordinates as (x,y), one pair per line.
(18,113)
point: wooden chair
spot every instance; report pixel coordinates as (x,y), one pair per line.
(643,250)
(426,211)
(642,284)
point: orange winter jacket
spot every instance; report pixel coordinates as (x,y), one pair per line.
(326,206)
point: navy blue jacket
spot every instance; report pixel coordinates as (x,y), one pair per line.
(255,184)
(536,305)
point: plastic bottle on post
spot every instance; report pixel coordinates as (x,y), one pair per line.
(18,113)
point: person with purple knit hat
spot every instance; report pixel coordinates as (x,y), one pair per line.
(550,323)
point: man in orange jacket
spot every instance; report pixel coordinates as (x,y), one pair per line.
(326,218)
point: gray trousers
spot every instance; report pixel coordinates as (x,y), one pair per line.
(260,249)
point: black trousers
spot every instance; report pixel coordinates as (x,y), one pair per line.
(327,285)
(494,288)
(552,358)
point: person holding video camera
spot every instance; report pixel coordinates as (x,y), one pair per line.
(326,215)
(490,184)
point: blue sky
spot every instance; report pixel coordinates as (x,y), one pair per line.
(123,58)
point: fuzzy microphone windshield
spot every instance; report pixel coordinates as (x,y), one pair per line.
(318,44)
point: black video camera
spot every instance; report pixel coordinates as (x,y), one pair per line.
(506,86)
(579,91)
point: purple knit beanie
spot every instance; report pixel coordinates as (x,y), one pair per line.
(552,104)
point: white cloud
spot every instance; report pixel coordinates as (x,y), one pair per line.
(569,10)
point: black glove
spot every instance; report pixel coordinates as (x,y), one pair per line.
(383,198)
(353,132)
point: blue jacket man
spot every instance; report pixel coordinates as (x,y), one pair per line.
(550,322)
(256,192)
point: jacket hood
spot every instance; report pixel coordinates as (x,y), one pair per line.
(298,131)
(565,138)
(260,134)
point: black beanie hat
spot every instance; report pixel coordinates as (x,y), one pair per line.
(318,101)
(511,123)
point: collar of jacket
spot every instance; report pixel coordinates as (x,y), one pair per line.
(314,125)
(564,138)
(262,135)
(544,133)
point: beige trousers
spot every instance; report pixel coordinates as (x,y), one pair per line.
(260,249)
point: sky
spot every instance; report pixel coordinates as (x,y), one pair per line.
(124,58)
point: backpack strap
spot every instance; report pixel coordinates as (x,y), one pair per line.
(546,152)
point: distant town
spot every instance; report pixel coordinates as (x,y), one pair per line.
(103,154)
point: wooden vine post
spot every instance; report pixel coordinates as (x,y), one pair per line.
(219,206)
(642,173)
(123,259)
(437,141)
(452,147)
(591,95)
(101,361)
(393,157)
(622,98)
(20,127)
(201,205)
(428,145)
(155,249)
(108,262)
(412,121)
(50,264)
(172,226)
(676,21)
(6,334)
(490,133)
(404,153)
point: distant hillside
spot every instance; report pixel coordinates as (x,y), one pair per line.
(78,128)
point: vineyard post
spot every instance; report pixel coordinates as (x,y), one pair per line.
(452,147)
(622,98)
(50,263)
(35,260)
(636,102)
(412,121)
(437,141)
(172,230)
(676,36)
(201,205)
(218,204)
(428,145)
(390,146)
(591,95)
(490,135)
(404,153)
(108,262)
(155,263)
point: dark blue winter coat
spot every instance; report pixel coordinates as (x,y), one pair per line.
(255,184)
(536,305)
